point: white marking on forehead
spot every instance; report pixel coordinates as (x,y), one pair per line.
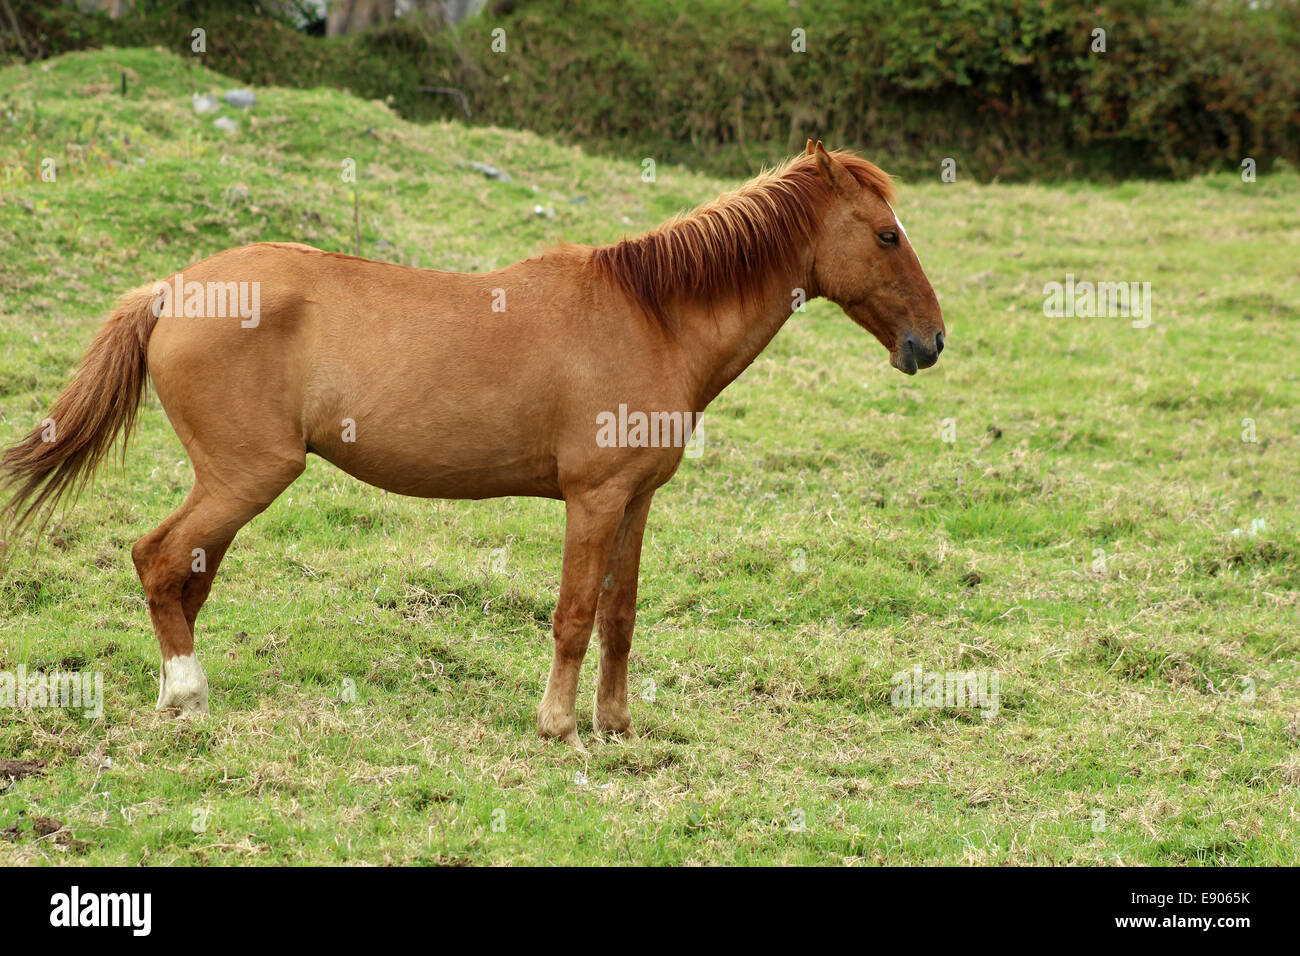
(898,222)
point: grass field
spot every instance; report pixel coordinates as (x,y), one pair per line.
(1069,503)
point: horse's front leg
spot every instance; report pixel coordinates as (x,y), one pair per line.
(592,520)
(616,614)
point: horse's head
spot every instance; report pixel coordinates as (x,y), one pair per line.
(865,264)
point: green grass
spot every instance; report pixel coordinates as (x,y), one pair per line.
(1159,690)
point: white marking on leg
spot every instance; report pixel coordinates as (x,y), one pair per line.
(183,685)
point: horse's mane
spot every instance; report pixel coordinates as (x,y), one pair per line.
(734,244)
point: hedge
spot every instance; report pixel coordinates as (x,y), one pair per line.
(1008,89)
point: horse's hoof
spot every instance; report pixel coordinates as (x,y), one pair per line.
(191,708)
(617,725)
(180,713)
(569,737)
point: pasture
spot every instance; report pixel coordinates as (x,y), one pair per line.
(1102,515)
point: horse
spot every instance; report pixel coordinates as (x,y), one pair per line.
(471,386)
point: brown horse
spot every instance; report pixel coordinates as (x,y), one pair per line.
(447,385)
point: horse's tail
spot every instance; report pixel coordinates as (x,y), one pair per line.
(58,457)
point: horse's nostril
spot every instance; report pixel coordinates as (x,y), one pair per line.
(938,342)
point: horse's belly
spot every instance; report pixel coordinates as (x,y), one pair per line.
(425,474)
(417,420)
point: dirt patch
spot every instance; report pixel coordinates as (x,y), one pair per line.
(42,827)
(17,769)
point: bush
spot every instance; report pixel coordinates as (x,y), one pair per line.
(1008,88)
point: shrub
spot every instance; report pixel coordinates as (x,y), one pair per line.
(1008,88)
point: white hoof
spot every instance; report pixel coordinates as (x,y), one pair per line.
(183,686)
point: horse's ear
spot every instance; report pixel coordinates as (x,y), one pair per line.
(809,149)
(839,178)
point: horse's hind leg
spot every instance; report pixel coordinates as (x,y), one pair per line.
(197,587)
(177,562)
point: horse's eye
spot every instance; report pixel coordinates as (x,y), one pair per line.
(889,238)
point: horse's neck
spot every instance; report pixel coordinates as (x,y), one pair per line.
(718,346)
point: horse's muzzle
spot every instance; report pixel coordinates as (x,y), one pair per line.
(914,354)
